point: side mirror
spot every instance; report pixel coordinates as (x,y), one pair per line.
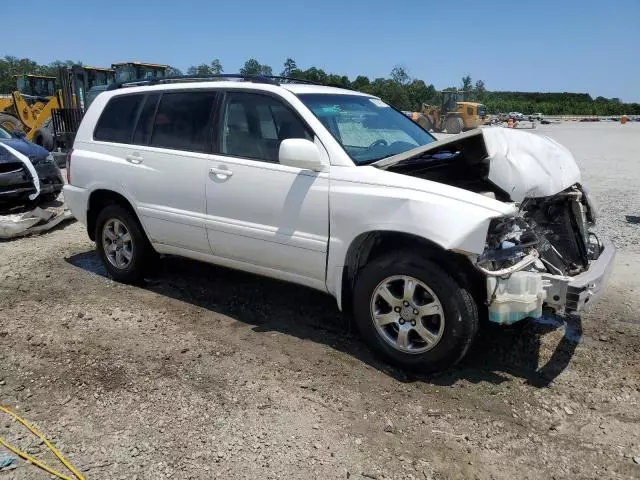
(19,133)
(300,153)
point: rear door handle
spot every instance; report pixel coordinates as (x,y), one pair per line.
(223,172)
(134,158)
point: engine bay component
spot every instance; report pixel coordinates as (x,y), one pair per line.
(554,229)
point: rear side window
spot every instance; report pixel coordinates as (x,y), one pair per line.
(145,120)
(117,119)
(182,121)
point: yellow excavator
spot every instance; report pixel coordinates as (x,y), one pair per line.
(454,114)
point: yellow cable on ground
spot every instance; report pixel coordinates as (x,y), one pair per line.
(34,460)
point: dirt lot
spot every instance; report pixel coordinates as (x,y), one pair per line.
(210,373)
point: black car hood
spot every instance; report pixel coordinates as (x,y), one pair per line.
(25,147)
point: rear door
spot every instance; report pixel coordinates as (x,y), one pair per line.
(163,162)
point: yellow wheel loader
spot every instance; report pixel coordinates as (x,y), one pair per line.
(453,114)
(30,107)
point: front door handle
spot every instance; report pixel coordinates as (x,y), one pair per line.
(134,159)
(222,172)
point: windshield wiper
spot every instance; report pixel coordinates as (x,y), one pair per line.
(373,160)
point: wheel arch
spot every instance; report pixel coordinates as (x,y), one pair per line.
(100,198)
(375,243)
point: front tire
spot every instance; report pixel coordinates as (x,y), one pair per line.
(425,122)
(413,314)
(122,245)
(454,125)
(10,123)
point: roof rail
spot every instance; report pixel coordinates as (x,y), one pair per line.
(269,79)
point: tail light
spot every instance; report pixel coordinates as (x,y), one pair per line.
(69,165)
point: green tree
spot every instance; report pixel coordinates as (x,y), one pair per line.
(216,67)
(253,67)
(360,82)
(467,84)
(341,81)
(290,67)
(206,69)
(419,93)
(479,90)
(399,75)
(314,74)
(391,92)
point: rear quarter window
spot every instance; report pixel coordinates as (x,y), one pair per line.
(117,119)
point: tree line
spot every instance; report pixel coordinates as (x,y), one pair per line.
(398,89)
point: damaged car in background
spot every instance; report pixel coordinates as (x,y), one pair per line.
(28,172)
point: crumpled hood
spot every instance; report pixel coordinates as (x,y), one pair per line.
(528,165)
(28,149)
(520,163)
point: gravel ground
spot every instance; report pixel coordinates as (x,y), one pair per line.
(210,373)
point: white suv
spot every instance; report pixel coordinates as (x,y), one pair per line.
(335,190)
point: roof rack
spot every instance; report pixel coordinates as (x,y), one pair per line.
(269,79)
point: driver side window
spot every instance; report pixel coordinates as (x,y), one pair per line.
(254,125)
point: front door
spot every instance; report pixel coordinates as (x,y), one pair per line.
(258,211)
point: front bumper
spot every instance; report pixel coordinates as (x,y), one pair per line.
(571,295)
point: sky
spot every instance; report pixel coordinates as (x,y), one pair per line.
(583,46)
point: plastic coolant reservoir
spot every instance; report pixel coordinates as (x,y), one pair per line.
(517,297)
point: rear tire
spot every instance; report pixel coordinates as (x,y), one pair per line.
(454,125)
(439,319)
(122,245)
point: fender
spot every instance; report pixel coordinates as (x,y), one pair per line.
(449,217)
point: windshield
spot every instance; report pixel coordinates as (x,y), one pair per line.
(367,128)
(150,72)
(132,73)
(4,133)
(126,74)
(36,86)
(100,78)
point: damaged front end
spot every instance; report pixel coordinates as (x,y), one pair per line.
(547,254)
(544,255)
